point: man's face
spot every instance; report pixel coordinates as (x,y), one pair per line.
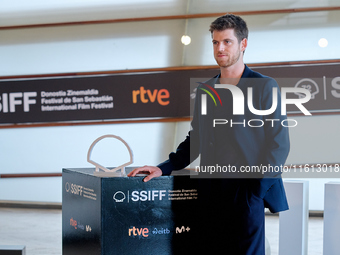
(227,49)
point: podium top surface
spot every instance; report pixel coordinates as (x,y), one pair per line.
(90,171)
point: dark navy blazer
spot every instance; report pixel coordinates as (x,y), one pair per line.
(260,146)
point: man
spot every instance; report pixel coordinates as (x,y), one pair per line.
(232,206)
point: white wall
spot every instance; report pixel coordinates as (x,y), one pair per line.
(49,149)
(315,140)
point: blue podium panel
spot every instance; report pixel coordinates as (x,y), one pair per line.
(12,249)
(124,215)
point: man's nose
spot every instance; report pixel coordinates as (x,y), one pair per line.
(221,47)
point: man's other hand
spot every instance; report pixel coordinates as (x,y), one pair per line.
(151,171)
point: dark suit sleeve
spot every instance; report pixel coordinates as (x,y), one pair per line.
(179,159)
(187,151)
(276,147)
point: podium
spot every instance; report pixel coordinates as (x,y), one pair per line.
(124,215)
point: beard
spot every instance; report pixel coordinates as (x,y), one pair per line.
(230,60)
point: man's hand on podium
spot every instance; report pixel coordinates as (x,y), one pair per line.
(151,171)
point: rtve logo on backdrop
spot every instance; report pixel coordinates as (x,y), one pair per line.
(145,96)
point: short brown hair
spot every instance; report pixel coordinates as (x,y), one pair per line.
(231,21)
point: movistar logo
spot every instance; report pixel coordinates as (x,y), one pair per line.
(209,93)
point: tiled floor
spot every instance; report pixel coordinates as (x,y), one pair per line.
(40,230)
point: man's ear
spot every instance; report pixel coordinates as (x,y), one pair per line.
(244,44)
